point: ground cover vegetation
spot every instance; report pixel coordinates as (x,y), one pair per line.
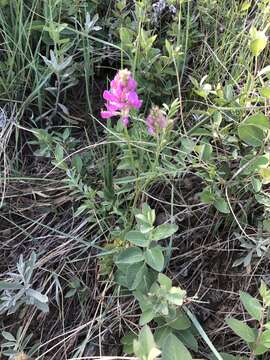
(134,179)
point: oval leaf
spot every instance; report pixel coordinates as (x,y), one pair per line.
(145,347)
(252,305)
(222,206)
(135,274)
(37,295)
(265,339)
(258,45)
(259,120)
(165,281)
(146,317)
(265,92)
(174,349)
(8,336)
(251,135)
(137,238)
(130,256)
(164,231)
(154,258)
(181,322)
(241,329)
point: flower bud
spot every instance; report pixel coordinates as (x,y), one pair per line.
(156,121)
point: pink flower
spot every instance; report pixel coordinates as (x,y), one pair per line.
(122,97)
(156,121)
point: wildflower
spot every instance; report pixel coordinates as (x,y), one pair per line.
(122,97)
(156,121)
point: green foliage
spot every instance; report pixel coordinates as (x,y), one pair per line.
(161,301)
(145,347)
(17,291)
(173,349)
(54,145)
(75,288)
(242,330)
(146,250)
(257,338)
(258,41)
(155,59)
(253,129)
(139,270)
(18,344)
(252,305)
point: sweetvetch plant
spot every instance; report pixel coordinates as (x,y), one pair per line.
(141,262)
(257,337)
(139,268)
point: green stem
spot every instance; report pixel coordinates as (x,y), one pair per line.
(137,187)
(138,41)
(138,190)
(159,141)
(130,150)
(260,331)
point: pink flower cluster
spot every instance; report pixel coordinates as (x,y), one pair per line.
(122,97)
(156,121)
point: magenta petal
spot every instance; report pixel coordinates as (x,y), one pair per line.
(151,130)
(118,93)
(114,84)
(115,105)
(149,121)
(133,98)
(138,104)
(121,97)
(121,105)
(132,84)
(109,96)
(125,120)
(112,107)
(106,114)
(163,122)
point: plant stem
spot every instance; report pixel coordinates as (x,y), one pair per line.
(260,331)
(137,187)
